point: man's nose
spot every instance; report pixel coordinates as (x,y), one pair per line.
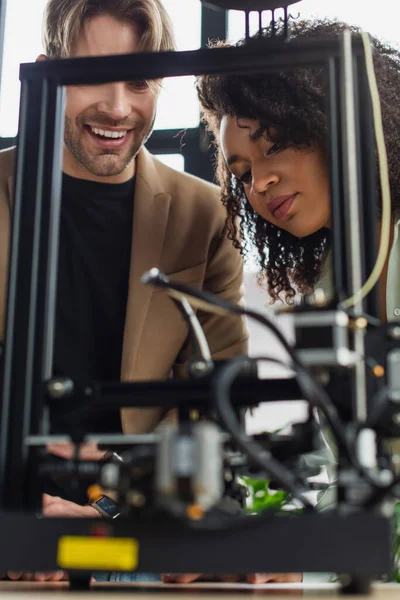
(116,101)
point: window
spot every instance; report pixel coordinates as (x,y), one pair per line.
(236,23)
(175,161)
(375,20)
(22,43)
(178,107)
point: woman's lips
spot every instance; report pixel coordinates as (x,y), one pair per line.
(281,205)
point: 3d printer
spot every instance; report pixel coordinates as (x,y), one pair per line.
(178,488)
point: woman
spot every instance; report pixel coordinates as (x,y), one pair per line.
(271,140)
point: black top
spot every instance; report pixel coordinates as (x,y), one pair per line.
(93,277)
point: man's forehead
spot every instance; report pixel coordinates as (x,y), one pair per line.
(105,35)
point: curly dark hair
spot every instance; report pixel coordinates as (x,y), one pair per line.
(290,107)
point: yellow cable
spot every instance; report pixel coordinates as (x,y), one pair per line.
(384,178)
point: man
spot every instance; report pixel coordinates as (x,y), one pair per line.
(109,324)
(123,212)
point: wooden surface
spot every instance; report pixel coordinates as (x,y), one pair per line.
(200,591)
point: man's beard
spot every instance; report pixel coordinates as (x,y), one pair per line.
(107,163)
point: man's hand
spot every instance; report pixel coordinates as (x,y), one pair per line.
(58,507)
(251,578)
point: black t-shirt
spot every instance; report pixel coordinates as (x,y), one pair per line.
(93,278)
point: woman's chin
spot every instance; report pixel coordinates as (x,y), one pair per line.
(302,230)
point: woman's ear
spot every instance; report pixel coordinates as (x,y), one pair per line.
(41,58)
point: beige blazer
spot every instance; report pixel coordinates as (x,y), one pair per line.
(177,227)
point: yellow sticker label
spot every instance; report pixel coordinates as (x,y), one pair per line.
(97,553)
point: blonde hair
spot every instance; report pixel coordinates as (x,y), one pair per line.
(63,21)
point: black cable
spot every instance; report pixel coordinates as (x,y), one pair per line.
(221,386)
(319,398)
(312,391)
(310,387)
(304,377)
(85,410)
(380,494)
(277,470)
(287,366)
(190,319)
(380,403)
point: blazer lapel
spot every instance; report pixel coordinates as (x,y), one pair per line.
(150,217)
(10,189)
(5,236)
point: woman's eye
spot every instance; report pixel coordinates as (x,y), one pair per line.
(275,148)
(245,178)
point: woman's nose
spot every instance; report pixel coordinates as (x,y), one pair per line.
(263,179)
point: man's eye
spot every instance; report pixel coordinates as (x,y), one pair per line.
(139,84)
(246,177)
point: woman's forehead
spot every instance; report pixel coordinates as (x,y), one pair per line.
(239,131)
(235,136)
(232,123)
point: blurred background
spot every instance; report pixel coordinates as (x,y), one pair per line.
(178,138)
